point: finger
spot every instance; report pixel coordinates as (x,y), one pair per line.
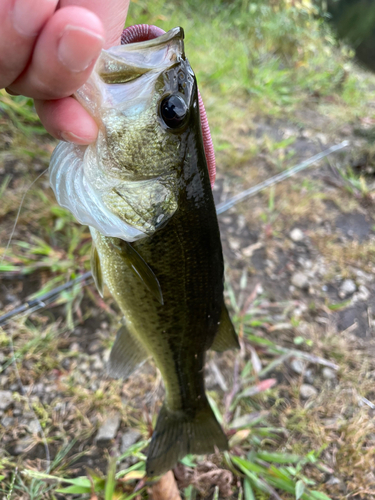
(111,12)
(67,120)
(64,55)
(20,23)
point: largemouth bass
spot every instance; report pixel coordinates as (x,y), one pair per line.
(144,190)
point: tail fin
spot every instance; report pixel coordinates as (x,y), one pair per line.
(177,434)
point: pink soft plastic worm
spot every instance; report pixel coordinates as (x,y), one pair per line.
(142,32)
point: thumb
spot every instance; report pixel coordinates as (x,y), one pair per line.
(112,13)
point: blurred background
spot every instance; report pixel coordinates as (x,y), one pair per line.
(297,402)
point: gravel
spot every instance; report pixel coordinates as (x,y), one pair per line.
(34,426)
(22,445)
(328,373)
(109,428)
(300,280)
(297,365)
(307,391)
(130,437)
(6,399)
(296,235)
(347,288)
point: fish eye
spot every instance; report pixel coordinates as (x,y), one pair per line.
(173,111)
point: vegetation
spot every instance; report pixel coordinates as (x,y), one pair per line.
(261,67)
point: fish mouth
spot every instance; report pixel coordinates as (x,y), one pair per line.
(124,63)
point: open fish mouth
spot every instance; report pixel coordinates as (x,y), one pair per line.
(125,184)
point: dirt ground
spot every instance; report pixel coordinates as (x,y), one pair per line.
(299,262)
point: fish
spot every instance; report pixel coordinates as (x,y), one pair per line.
(144,189)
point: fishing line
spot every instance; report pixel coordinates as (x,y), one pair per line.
(226,205)
(39,303)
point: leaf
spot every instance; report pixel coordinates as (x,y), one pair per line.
(110,482)
(139,466)
(237,438)
(300,488)
(318,495)
(256,362)
(259,340)
(135,474)
(134,450)
(215,409)
(248,490)
(279,458)
(74,490)
(264,385)
(246,466)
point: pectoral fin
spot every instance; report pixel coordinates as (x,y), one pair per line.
(96,269)
(140,268)
(226,337)
(126,356)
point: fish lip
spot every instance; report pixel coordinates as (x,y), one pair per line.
(171,35)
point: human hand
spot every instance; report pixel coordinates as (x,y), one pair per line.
(47,54)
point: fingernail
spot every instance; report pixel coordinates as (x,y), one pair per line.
(79,47)
(70,137)
(28,19)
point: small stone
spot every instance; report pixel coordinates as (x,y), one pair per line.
(7,421)
(6,399)
(39,388)
(234,244)
(83,367)
(348,287)
(22,445)
(363,293)
(109,428)
(297,365)
(307,391)
(94,346)
(300,280)
(74,347)
(106,355)
(309,375)
(130,437)
(333,480)
(328,373)
(98,363)
(34,426)
(296,235)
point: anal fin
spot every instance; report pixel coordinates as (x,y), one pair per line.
(226,337)
(126,356)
